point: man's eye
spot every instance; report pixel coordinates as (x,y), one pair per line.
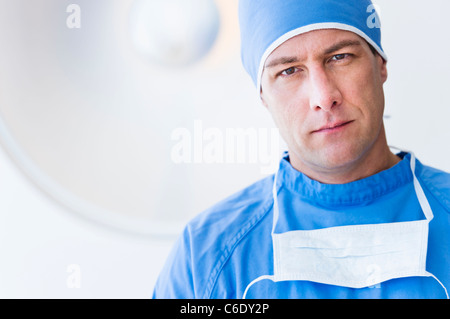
(289,71)
(339,57)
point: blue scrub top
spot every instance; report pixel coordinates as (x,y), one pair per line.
(228,246)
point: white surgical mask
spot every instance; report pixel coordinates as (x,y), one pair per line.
(356,256)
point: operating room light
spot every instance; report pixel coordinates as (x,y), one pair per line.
(88,107)
(173,32)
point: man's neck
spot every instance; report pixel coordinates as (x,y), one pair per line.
(375,160)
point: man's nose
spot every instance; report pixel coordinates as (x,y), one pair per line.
(324,94)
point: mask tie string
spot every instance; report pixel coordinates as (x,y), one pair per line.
(275,219)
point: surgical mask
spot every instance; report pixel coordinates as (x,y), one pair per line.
(355,256)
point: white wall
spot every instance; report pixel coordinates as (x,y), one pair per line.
(415,38)
(40,239)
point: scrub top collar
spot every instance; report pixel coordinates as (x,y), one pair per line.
(355,193)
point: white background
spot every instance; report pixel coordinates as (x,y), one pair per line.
(40,238)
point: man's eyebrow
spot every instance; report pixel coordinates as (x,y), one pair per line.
(282,60)
(341,45)
(293,59)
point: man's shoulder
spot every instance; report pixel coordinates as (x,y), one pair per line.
(234,211)
(211,238)
(438,183)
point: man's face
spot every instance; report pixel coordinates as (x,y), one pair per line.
(324,90)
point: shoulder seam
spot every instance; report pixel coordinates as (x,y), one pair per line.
(433,192)
(232,244)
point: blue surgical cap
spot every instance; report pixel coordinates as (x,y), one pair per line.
(266,24)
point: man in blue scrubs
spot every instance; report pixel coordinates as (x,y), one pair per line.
(343,217)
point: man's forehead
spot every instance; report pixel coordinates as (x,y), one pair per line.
(321,42)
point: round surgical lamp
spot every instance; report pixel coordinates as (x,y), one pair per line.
(174,32)
(87,113)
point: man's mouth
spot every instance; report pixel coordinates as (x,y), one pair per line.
(332,127)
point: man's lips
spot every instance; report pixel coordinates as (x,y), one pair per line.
(333,127)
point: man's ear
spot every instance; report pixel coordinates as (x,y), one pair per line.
(383,68)
(261,95)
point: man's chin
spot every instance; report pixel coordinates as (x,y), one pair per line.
(329,159)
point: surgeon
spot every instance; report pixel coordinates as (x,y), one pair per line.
(344,216)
